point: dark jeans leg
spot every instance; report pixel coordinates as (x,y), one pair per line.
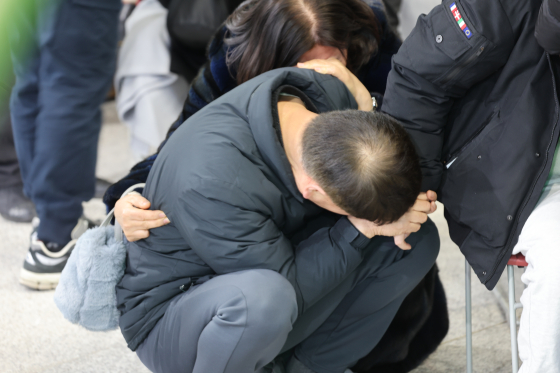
(348,323)
(56,109)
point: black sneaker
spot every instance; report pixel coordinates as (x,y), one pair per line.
(44,263)
(15,206)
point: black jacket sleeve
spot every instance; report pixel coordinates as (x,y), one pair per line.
(440,61)
(230,231)
(547,30)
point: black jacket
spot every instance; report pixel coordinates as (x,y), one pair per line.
(480,103)
(225,183)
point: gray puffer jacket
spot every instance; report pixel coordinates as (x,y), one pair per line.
(226,185)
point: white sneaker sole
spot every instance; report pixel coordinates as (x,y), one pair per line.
(39,281)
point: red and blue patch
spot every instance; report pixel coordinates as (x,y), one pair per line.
(460,21)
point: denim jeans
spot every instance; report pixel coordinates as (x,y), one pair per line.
(64,59)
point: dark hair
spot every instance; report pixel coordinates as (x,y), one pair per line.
(268,34)
(365,162)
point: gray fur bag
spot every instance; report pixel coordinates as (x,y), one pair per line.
(86,291)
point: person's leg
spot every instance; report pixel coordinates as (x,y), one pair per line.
(348,323)
(539,330)
(56,117)
(14,205)
(232,323)
(9,167)
(78,54)
(21,34)
(24,105)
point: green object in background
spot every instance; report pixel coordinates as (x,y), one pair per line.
(10,12)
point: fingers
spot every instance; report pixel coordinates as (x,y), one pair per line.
(422,196)
(311,64)
(426,202)
(432,196)
(401,243)
(136,214)
(319,67)
(136,200)
(417,217)
(136,230)
(136,235)
(331,66)
(135,220)
(422,206)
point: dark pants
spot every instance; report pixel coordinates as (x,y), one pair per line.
(61,82)
(9,166)
(239,322)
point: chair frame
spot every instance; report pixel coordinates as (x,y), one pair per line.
(515,260)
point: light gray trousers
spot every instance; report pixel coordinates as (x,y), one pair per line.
(239,322)
(539,329)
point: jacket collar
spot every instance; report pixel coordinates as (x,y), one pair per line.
(324,91)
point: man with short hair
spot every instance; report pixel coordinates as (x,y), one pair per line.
(272,193)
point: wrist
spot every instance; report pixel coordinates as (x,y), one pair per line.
(366,102)
(363,226)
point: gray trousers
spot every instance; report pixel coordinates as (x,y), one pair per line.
(239,322)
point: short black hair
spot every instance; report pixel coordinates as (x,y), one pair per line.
(364,161)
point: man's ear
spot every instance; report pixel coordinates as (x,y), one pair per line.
(311,188)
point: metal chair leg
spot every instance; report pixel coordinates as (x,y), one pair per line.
(512,320)
(468,315)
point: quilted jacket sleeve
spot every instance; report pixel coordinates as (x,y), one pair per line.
(230,232)
(458,44)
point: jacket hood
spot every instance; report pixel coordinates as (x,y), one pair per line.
(326,92)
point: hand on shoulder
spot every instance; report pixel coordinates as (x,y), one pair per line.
(335,68)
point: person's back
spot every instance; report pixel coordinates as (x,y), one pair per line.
(216,152)
(239,220)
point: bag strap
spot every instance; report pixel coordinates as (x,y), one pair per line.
(111,214)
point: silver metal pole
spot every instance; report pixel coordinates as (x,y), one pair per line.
(468,314)
(512,320)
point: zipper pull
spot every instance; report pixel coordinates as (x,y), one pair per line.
(186,287)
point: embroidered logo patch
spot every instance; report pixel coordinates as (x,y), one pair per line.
(460,21)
